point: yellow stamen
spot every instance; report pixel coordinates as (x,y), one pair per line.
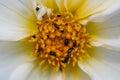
(60,40)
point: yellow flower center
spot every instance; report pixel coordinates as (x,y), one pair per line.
(60,40)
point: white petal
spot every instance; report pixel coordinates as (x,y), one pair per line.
(48,73)
(45,74)
(109,56)
(113,44)
(73,5)
(17,19)
(13,54)
(75,73)
(56,76)
(88,7)
(103,64)
(105,15)
(107,32)
(61,5)
(22,72)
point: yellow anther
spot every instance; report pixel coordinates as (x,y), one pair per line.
(62,59)
(46,55)
(78,27)
(63,65)
(52,30)
(48,49)
(68,35)
(75,60)
(58,53)
(77,54)
(69,28)
(41,62)
(44,36)
(57,59)
(48,42)
(43,45)
(58,33)
(49,61)
(72,56)
(73,37)
(83,51)
(88,45)
(74,63)
(53,63)
(70,44)
(60,41)
(50,27)
(59,22)
(52,35)
(46,31)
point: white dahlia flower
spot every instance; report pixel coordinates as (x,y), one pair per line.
(59,39)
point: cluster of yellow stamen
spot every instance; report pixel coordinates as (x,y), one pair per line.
(60,40)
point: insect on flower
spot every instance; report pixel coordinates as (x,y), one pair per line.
(41,10)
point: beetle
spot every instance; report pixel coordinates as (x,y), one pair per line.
(66,59)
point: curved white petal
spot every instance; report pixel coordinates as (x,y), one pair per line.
(61,5)
(103,65)
(13,54)
(22,72)
(110,57)
(47,73)
(73,5)
(105,15)
(113,44)
(40,73)
(88,7)
(75,73)
(17,19)
(107,32)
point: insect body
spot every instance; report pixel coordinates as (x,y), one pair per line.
(41,10)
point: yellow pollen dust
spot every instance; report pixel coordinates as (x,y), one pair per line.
(60,40)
